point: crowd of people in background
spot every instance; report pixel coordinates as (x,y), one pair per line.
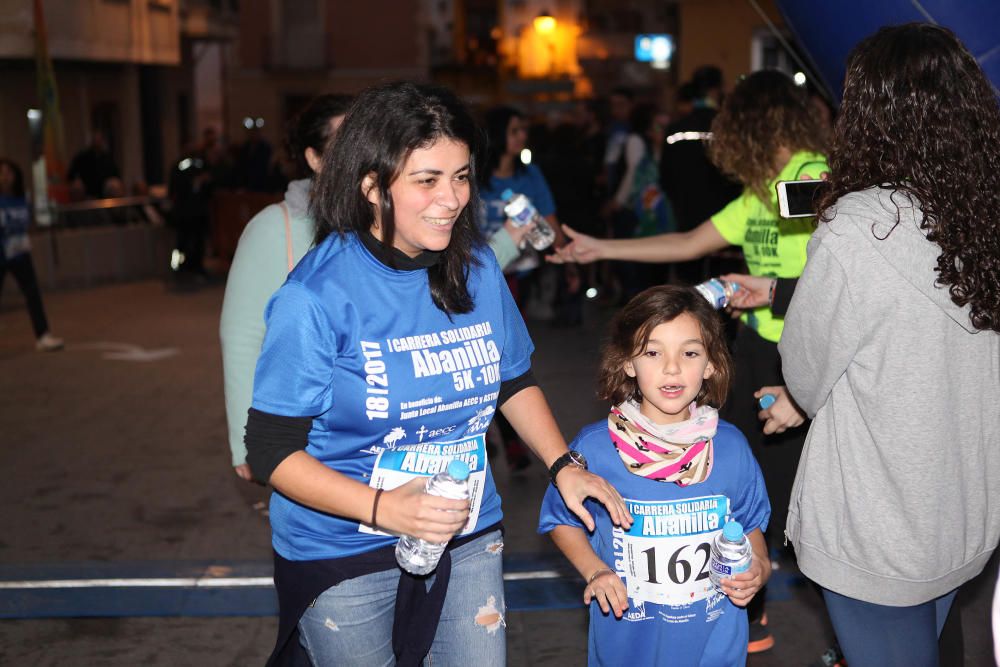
(652,198)
(873,327)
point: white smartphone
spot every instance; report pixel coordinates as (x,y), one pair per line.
(797,199)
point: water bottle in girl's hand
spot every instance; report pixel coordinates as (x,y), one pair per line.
(418,556)
(731,553)
(521,211)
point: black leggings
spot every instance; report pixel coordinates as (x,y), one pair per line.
(757,364)
(24,273)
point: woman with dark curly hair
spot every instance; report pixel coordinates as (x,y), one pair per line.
(765,132)
(892,345)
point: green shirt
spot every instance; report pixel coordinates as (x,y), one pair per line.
(773,246)
(258,270)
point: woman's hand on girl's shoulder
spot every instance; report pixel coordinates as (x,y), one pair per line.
(408,510)
(576,485)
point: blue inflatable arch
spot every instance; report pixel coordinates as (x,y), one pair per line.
(828,30)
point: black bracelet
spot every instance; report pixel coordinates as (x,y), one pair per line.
(378,496)
(572,457)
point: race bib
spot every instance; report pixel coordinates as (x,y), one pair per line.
(398,465)
(667,550)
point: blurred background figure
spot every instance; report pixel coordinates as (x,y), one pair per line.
(504,169)
(254,159)
(190,191)
(638,206)
(270,246)
(693,184)
(93,173)
(15,216)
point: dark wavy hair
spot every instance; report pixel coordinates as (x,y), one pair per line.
(495,122)
(310,128)
(920,117)
(17,187)
(383,126)
(765,112)
(629,332)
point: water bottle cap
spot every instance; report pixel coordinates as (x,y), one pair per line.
(458,469)
(506,194)
(766,401)
(733,531)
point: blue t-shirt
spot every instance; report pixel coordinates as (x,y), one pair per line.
(674,617)
(528,182)
(14,220)
(395,387)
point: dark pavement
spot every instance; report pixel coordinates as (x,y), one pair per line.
(114,463)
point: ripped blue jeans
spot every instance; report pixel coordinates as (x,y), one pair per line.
(351,623)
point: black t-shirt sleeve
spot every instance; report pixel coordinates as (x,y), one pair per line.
(270,439)
(510,387)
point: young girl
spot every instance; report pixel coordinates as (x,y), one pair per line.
(683,473)
(766,132)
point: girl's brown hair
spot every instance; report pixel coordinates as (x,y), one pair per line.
(629,332)
(765,112)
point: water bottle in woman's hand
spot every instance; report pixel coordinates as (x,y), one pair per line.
(418,556)
(519,208)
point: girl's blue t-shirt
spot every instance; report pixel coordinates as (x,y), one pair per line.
(395,387)
(674,616)
(529,182)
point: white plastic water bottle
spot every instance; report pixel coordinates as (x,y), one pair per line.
(418,556)
(718,292)
(731,553)
(520,209)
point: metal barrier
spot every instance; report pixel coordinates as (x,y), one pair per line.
(111,211)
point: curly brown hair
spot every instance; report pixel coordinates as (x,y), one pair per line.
(765,112)
(629,332)
(920,117)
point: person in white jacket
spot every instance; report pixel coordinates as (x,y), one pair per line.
(892,346)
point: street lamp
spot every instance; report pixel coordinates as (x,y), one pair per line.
(544,23)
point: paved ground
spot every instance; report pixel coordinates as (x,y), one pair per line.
(118,462)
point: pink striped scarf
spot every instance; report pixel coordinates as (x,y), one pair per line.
(680,453)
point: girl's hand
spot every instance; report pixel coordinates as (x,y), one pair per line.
(576,485)
(408,510)
(741,588)
(517,234)
(783,414)
(581,249)
(753,291)
(607,588)
(243,472)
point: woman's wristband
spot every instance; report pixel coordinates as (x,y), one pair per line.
(378,496)
(599,573)
(770,292)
